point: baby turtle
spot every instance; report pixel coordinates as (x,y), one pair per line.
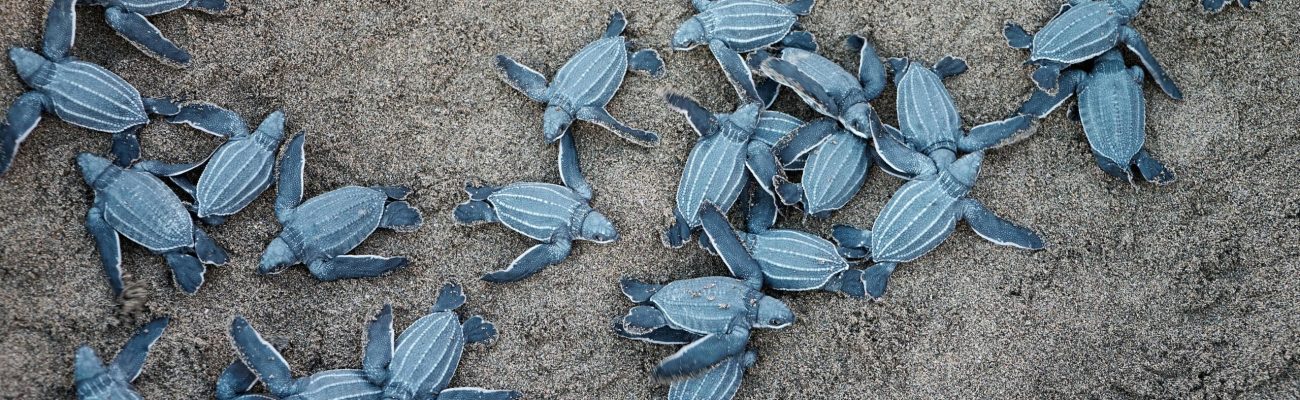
(1113,113)
(790,260)
(733,27)
(322,230)
(77,92)
(922,214)
(239,170)
(721,310)
(127,17)
(552,214)
(835,167)
(134,203)
(828,88)
(586,83)
(418,365)
(721,382)
(715,169)
(95,380)
(928,117)
(1214,6)
(1084,29)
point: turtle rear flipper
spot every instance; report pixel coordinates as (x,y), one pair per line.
(647,61)
(637,291)
(207,250)
(532,261)
(852,241)
(125,147)
(679,233)
(790,193)
(187,271)
(144,36)
(474,212)
(1016,36)
(801,7)
(473,393)
(803,40)
(450,297)
(1152,170)
(875,279)
(950,66)
(351,266)
(703,353)
(848,282)
(478,330)
(210,118)
(401,217)
(379,346)
(617,23)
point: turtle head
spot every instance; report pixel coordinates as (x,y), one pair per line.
(1127,8)
(27,63)
(689,35)
(92,166)
(87,364)
(967,168)
(597,228)
(276,258)
(862,120)
(555,122)
(773,314)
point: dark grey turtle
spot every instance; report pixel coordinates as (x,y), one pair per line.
(419,364)
(96,380)
(77,92)
(929,120)
(721,382)
(720,310)
(827,87)
(552,214)
(733,27)
(133,202)
(127,17)
(1113,113)
(790,260)
(1214,6)
(322,230)
(921,215)
(1084,29)
(238,171)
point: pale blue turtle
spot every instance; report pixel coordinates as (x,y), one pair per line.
(734,27)
(134,203)
(238,171)
(418,364)
(790,260)
(1082,30)
(827,87)
(96,380)
(551,214)
(77,92)
(921,215)
(127,18)
(322,230)
(721,311)
(1113,112)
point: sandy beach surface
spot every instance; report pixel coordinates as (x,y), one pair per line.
(1183,291)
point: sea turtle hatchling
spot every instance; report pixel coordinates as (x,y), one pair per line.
(133,202)
(721,310)
(77,92)
(322,230)
(418,364)
(922,214)
(733,27)
(790,260)
(552,214)
(1113,112)
(1084,29)
(95,380)
(127,18)
(239,170)
(827,87)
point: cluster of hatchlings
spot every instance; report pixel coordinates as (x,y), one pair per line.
(760,47)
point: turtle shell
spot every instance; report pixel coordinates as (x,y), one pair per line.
(89,96)
(1080,33)
(334,223)
(592,76)
(237,173)
(917,219)
(774,126)
(142,208)
(537,210)
(715,172)
(927,115)
(1113,112)
(834,172)
(337,384)
(705,305)
(426,356)
(746,25)
(794,260)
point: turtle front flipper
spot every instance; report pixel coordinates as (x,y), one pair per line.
(803,140)
(473,393)
(570,168)
(532,261)
(805,86)
(379,346)
(289,189)
(258,354)
(1041,103)
(871,72)
(20,121)
(401,217)
(352,266)
(1151,169)
(762,211)
(700,118)
(762,164)
(704,353)
(60,29)
(478,330)
(526,80)
(994,134)
(898,156)
(234,381)
(1133,40)
(729,247)
(143,35)
(187,271)
(130,360)
(997,230)
(737,72)
(600,116)
(109,245)
(210,118)
(661,335)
